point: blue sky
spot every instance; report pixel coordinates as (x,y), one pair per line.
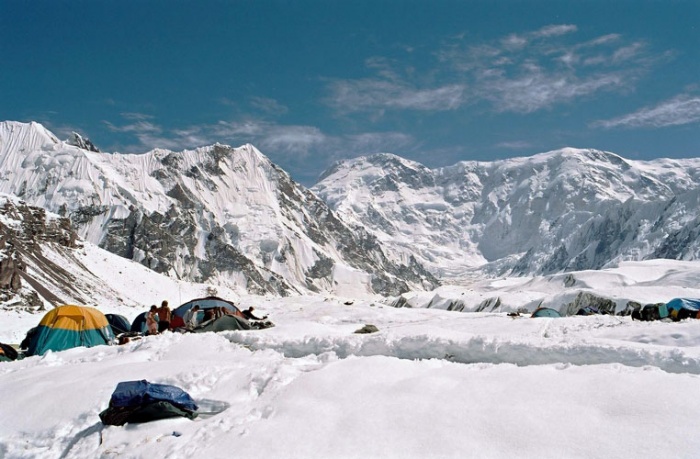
(309,82)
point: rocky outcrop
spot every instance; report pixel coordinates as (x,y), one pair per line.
(82,142)
(24,230)
(586,299)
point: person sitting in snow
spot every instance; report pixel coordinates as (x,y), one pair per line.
(248,313)
(152,321)
(192,317)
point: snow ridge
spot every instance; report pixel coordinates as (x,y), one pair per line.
(216,212)
(568,209)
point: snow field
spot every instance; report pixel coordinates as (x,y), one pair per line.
(430,383)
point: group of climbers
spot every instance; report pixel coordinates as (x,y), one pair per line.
(160,319)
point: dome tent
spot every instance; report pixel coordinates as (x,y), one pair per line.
(139,324)
(69,326)
(684,308)
(204,304)
(546,312)
(119,324)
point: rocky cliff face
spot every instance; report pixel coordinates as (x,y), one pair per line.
(24,232)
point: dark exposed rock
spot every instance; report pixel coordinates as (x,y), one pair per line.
(85,214)
(586,299)
(369,328)
(323,268)
(82,142)
(489,304)
(569,280)
(22,243)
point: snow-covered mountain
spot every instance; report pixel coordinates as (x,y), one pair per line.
(564,210)
(218,214)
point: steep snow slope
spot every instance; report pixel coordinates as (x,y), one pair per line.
(212,213)
(562,210)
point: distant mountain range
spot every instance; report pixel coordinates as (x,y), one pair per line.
(374,224)
(564,210)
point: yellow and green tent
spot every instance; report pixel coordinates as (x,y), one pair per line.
(70,326)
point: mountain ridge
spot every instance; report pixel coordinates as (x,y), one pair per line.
(379,221)
(213,213)
(554,211)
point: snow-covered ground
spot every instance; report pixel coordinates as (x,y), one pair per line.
(430,384)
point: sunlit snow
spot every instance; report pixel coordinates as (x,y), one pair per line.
(430,383)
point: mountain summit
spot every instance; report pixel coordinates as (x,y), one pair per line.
(214,214)
(569,209)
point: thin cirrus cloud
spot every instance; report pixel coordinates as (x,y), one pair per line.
(524,73)
(298,141)
(518,73)
(375,93)
(148,134)
(269,106)
(539,89)
(301,140)
(514,145)
(680,110)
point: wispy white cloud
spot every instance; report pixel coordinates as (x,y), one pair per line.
(537,70)
(555,30)
(627,53)
(514,42)
(537,89)
(293,141)
(375,94)
(269,106)
(514,145)
(682,109)
(136,127)
(519,72)
(136,116)
(298,140)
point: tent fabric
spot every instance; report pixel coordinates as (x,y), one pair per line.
(24,345)
(8,352)
(223,323)
(139,323)
(204,304)
(545,312)
(69,326)
(677,304)
(142,401)
(119,324)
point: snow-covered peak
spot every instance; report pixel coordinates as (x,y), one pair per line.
(214,212)
(25,137)
(561,209)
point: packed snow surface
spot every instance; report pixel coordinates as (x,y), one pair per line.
(430,383)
